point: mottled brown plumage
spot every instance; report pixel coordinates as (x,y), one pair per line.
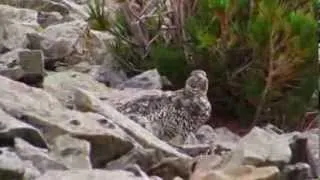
(173,113)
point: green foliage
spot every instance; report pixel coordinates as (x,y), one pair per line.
(276,78)
(97,16)
(219,4)
(259,55)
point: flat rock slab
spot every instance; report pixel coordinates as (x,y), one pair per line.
(38,108)
(89,175)
(62,85)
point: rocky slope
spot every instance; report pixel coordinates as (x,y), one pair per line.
(68,112)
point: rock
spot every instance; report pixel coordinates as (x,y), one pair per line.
(82,67)
(240,173)
(11,128)
(89,174)
(43,111)
(273,129)
(172,113)
(177,178)
(72,152)
(11,166)
(260,146)
(191,139)
(76,11)
(32,64)
(136,170)
(100,52)
(23,65)
(155,178)
(103,36)
(302,153)
(14,73)
(80,2)
(147,80)
(63,84)
(39,157)
(30,172)
(40,5)
(207,163)
(86,101)
(107,69)
(64,41)
(314,149)
(15,24)
(46,19)
(313,142)
(169,168)
(205,134)
(69,43)
(195,150)
(22,16)
(145,158)
(298,171)
(108,75)
(221,137)
(16,36)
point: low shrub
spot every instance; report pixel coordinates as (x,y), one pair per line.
(260,56)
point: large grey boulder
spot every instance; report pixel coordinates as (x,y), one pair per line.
(260,146)
(38,108)
(69,43)
(66,40)
(23,65)
(147,80)
(15,24)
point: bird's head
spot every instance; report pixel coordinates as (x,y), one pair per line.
(197,83)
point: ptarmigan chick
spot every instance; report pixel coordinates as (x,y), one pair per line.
(174,113)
